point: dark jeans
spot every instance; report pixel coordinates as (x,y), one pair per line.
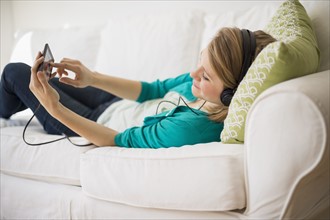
(16,96)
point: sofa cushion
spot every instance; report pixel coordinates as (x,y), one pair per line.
(148,47)
(205,177)
(55,162)
(294,54)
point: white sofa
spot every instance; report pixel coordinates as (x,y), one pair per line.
(280,172)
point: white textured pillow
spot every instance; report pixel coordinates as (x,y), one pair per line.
(204,177)
(81,43)
(22,50)
(255,18)
(147,47)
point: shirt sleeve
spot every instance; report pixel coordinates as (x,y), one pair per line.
(158,89)
(170,132)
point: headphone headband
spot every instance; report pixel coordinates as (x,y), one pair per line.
(249,48)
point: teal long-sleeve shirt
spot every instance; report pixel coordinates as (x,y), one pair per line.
(177,127)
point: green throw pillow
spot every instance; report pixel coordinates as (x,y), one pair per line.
(294,54)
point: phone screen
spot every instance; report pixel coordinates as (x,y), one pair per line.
(45,66)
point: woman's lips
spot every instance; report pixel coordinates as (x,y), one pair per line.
(195,85)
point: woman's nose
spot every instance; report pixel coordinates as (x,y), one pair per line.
(196,74)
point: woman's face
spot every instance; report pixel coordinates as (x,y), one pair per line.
(206,83)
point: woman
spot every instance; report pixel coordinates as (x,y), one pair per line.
(91,105)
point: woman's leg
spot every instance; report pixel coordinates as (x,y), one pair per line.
(14,90)
(15,96)
(93,99)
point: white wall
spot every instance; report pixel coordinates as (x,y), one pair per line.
(7,29)
(30,14)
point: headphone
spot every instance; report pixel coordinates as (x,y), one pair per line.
(249,48)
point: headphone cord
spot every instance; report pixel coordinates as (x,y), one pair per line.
(180,98)
(48,142)
(85,145)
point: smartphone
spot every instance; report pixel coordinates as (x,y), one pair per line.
(45,66)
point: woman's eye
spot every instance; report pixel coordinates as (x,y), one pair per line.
(205,77)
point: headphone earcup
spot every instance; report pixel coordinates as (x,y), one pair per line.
(226,96)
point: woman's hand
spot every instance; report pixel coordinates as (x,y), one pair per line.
(39,86)
(120,87)
(83,76)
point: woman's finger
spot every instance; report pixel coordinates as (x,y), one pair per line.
(68,60)
(57,65)
(64,65)
(61,73)
(69,81)
(37,62)
(43,81)
(53,75)
(39,54)
(35,85)
(59,70)
(34,82)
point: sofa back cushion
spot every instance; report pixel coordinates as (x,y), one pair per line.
(81,43)
(147,47)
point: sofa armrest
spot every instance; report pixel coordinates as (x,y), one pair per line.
(287,149)
(204,177)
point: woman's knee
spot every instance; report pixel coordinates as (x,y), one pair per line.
(15,75)
(16,71)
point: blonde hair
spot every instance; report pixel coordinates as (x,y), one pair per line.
(225,53)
